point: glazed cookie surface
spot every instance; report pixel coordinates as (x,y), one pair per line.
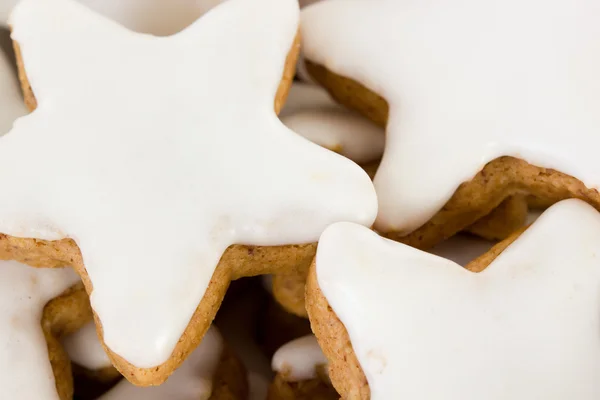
(84,349)
(33,364)
(311,113)
(507,331)
(454,101)
(199,377)
(301,372)
(184,181)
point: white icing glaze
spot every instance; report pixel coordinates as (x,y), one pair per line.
(192,381)
(84,348)
(11,101)
(462,248)
(347,133)
(5,8)
(157,17)
(24,291)
(176,154)
(304,97)
(310,112)
(467,81)
(299,359)
(424,327)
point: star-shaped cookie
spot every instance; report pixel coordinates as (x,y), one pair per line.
(398,323)
(461,84)
(36,306)
(155,155)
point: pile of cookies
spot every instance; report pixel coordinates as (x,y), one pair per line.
(252,199)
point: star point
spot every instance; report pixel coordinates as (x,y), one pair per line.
(158,153)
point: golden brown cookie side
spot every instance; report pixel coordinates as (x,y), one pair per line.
(473,200)
(237,261)
(344,369)
(41,253)
(230,380)
(538,203)
(28,96)
(289,71)
(350,93)
(483,261)
(61,316)
(345,372)
(504,220)
(288,289)
(313,389)
(499,179)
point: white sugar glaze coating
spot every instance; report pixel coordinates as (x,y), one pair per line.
(84,348)
(524,328)
(305,97)
(467,81)
(192,381)
(345,132)
(11,101)
(298,360)
(24,361)
(156,17)
(6,7)
(310,112)
(187,132)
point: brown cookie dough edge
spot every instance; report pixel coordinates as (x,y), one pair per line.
(503,221)
(499,179)
(238,261)
(62,316)
(41,253)
(230,380)
(345,371)
(508,217)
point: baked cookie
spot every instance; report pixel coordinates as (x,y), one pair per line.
(92,370)
(86,352)
(315,116)
(211,372)
(170,199)
(300,366)
(520,322)
(38,306)
(311,113)
(470,118)
(11,100)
